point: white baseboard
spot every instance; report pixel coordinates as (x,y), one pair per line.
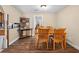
(73,45)
(13,40)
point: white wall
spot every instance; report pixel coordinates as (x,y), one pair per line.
(49,19)
(69,18)
(1,9)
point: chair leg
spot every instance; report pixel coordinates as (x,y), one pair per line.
(47,44)
(62,45)
(53,45)
(37,44)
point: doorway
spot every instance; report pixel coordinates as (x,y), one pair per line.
(38,19)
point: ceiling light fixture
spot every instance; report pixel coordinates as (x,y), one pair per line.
(43,6)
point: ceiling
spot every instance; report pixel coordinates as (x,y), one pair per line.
(38,9)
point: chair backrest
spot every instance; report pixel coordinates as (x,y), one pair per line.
(60,30)
(43,33)
(59,33)
(51,30)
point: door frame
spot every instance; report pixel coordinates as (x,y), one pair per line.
(7,30)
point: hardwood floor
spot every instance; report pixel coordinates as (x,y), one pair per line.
(27,45)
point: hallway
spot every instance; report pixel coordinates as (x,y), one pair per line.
(26,45)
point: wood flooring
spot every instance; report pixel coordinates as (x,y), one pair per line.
(27,45)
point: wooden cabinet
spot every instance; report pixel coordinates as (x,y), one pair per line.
(24,23)
(24,28)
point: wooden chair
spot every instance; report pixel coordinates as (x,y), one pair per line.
(42,36)
(59,37)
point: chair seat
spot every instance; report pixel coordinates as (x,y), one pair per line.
(58,40)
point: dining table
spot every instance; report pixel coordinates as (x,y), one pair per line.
(51,33)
